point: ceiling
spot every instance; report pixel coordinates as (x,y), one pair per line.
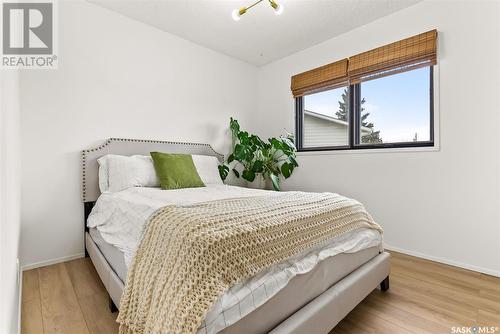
(260,37)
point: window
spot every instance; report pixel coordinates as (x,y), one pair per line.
(325,119)
(391,111)
(379,98)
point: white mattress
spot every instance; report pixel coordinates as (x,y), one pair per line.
(113,255)
(120,219)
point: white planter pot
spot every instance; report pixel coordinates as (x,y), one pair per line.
(260,183)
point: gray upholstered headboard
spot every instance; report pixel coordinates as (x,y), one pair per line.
(90,167)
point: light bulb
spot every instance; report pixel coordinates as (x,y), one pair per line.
(278,10)
(236,15)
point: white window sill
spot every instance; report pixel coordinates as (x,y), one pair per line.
(434,148)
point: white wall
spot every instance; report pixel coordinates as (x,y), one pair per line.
(443,205)
(9,200)
(116,78)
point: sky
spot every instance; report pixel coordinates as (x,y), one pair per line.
(398,105)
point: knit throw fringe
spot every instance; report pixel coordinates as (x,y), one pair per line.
(190,255)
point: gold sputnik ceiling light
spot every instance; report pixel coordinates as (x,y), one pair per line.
(278,9)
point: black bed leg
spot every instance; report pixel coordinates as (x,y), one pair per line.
(384,285)
(86,253)
(112,306)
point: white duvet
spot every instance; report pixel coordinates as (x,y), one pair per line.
(121,218)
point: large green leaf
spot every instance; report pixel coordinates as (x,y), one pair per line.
(276,181)
(288,143)
(234,126)
(244,138)
(265,152)
(223,171)
(286,169)
(256,141)
(276,143)
(248,175)
(293,161)
(257,166)
(239,152)
(230,158)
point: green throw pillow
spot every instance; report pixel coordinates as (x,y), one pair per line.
(176,171)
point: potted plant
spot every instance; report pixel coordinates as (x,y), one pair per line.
(252,158)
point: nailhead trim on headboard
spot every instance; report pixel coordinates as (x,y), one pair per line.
(110,140)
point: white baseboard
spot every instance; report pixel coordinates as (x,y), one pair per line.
(53,261)
(482,270)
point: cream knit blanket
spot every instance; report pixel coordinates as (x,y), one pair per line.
(190,255)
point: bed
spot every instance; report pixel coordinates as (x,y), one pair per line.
(310,293)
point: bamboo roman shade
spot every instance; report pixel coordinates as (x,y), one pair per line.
(407,54)
(321,78)
(404,55)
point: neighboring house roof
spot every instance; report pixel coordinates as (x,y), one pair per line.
(334,120)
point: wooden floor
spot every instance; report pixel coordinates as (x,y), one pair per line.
(425,297)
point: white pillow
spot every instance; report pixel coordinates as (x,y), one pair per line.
(207,168)
(125,172)
(118,172)
(103,173)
